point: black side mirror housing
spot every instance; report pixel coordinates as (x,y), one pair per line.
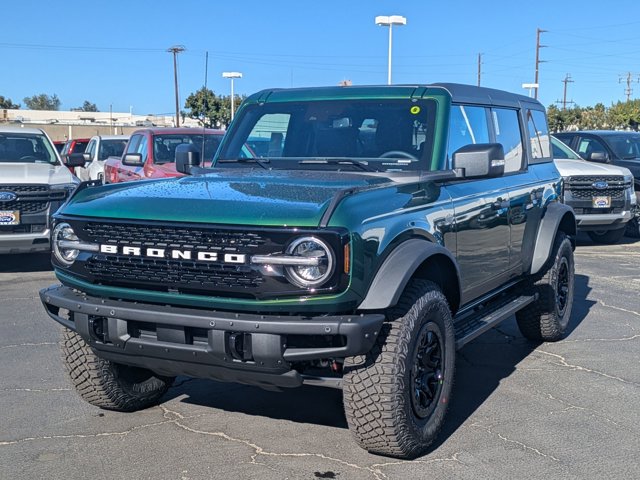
(133,160)
(480,160)
(600,157)
(74,160)
(187,157)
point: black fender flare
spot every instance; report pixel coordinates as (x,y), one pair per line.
(398,268)
(558,216)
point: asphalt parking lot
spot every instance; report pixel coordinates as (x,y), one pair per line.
(519,410)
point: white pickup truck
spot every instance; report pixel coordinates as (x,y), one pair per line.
(601,195)
(99,148)
(33,184)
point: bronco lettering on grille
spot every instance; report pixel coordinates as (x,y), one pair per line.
(202,256)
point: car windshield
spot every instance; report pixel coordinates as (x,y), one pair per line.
(26,148)
(562,152)
(624,146)
(364,135)
(164,146)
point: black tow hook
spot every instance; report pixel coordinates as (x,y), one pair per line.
(240,346)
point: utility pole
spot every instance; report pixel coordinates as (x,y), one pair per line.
(564,102)
(176,49)
(629,80)
(538,61)
(479,67)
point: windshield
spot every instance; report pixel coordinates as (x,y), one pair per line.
(624,146)
(381,135)
(26,148)
(164,146)
(562,151)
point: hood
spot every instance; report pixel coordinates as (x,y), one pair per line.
(568,168)
(35,173)
(231,197)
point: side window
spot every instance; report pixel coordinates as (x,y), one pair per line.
(507,130)
(91,148)
(467,126)
(589,146)
(132,147)
(538,134)
(143,148)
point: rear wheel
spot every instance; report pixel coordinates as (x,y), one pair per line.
(606,237)
(396,396)
(110,385)
(547,317)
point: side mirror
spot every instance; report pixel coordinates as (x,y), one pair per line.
(480,160)
(87,157)
(74,160)
(187,157)
(600,157)
(133,160)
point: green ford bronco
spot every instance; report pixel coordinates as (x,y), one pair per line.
(379,230)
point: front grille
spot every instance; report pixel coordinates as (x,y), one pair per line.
(581,187)
(30,198)
(173,237)
(22,228)
(170,274)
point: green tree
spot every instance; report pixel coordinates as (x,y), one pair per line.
(42,102)
(625,115)
(7,103)
(561,120)
(209,109)
(594,118)
(87,106)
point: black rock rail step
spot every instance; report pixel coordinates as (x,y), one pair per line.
(476,323)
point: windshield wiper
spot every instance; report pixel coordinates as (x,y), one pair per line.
(342,161)
(261,162)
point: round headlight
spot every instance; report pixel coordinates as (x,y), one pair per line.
(62,234)
(321,263)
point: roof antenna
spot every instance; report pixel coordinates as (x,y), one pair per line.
(204,103)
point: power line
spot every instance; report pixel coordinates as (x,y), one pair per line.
(629,80)
(176,49)
(564,101)
(538,61)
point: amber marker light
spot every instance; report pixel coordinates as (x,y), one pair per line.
(347,258)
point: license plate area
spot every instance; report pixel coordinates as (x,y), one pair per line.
(601,202)
(9,217)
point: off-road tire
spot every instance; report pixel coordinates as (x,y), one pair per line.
(547,317)
(632,229)
(110,385)
(380,388)
(607,237)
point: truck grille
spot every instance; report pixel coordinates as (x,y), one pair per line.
(30,198)
(177,275)
(582,187)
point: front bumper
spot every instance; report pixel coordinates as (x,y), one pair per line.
(24,242)
(605,221)
(238,347)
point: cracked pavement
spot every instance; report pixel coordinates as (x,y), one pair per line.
(519,410)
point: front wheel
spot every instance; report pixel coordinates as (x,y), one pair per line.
(396,396)
(547,317)
(606,237)
(633,228)
(110,385)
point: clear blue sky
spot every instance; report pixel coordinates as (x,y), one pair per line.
(114,52)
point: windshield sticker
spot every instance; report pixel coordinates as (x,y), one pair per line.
(415,110)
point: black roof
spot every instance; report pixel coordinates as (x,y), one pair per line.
(483,95)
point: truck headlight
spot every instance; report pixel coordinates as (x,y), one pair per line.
(312,275)
(63,240)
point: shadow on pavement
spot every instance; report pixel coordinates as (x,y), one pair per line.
(481,366)
(26,262)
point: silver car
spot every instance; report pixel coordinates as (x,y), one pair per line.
(33,184)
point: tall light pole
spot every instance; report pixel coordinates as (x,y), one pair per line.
(232,75)
(176,49)
(390,21)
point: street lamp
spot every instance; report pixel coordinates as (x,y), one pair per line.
(390,21)
(232,75)
(531,87)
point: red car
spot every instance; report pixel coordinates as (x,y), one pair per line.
(155,148)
